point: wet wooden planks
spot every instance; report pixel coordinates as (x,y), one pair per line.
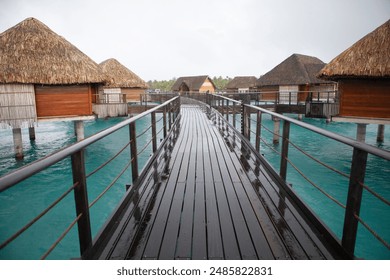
(216,202)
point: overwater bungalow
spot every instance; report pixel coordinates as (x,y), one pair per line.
(363,75)
(294,80)
(121,86)
(242,84)
(194,84)
(43,76)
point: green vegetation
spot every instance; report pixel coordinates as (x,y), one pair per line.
(164,85)
(220,82)
(161,85)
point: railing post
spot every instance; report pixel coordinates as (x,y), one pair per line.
(169,116)
(81,201)
(245,121)
(284,155)
(248,122)
(234,114)
(165,121)
(258,131)
(227,110)
(133,151)
(242,119)
(154,133)
(354,199)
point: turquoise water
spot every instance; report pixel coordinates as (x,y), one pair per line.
(374,212)
(20,204)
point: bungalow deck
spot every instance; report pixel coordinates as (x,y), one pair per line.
(216,200)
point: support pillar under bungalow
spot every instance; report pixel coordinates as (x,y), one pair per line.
(18,143)
(79,130)
(381,133)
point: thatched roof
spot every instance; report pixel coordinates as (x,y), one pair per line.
(297,69)
(31,53)
(242,82)
(194,83)
(118,75)
(367,58)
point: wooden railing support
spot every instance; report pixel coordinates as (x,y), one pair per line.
(354,199)
(258,131)
(234,114)
(284,155)
(242,119)
(169,116)
(165,122)
(154,133)
(133,151)
(81,201)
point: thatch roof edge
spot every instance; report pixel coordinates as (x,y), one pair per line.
(368,58)
(31,53)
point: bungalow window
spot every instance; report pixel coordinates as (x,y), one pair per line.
(288,94)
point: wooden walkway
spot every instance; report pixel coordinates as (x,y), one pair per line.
(213,202)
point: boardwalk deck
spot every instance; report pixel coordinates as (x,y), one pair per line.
(215,201)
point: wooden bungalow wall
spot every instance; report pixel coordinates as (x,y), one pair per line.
(365,98)
(207,87)
(133,94)
(268,93)
(17,105)
(63,101)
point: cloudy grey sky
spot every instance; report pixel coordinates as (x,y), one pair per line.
(162,39)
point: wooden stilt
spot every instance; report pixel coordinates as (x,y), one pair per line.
(275,139)
(79,130)
(361,132)
(31,133)
(18,143)
(381,133)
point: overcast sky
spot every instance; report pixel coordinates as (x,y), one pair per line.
(162,39)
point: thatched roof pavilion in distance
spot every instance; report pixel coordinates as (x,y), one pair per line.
(242,84)
(121,86)
(296,74)
(363,74)
(118,76)
(201,84)
(297,69)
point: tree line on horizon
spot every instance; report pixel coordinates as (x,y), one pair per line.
(166,85)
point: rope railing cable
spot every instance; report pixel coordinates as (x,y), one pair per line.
(144,131)
(384,200)
(376,235)
(62,236)
(161,129)
(110,185)
(111,159)
(318,161)
(144,147)
(270,147)
(22,173)
(270,131)
(39,216)
(315,185)
(387,202)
